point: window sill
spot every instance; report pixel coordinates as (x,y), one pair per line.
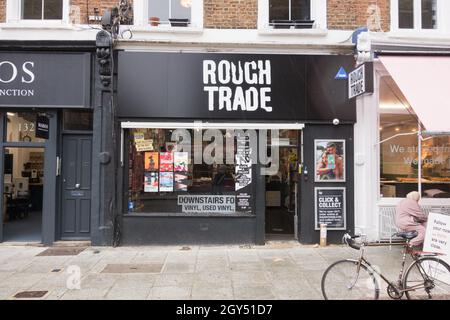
(421,35)
(38,26)
(293,32)
(166,29)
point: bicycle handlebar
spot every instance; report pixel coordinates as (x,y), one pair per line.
(350,241)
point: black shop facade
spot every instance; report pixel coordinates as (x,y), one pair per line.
(233,148)
(50,136)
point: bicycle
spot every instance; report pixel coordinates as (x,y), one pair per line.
(427,277)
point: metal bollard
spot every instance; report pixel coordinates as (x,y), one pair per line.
(323,235)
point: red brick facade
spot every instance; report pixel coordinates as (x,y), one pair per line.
(243,14)
(2,10)
(352,14)
(230,14)
(80,10)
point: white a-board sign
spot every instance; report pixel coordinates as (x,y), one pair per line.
(437,238)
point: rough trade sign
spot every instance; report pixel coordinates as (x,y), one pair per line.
(360,80)
(255,75)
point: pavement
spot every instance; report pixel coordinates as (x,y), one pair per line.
(278,270)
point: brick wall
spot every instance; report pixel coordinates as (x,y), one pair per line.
(81,9)
(2,11)
(352,14)
(230,14)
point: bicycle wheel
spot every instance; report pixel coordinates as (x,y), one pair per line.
(342,281)
(427,278)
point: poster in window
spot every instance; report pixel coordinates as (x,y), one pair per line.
(243,168)
(151,161)
(166,181)
(329,160)
(181,182)
(151,182)
(180,160)
(166,162)
(330,208)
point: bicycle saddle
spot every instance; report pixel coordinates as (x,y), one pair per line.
(408,235)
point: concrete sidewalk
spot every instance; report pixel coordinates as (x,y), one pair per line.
(278,270)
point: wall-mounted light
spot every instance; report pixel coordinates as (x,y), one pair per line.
(186,3)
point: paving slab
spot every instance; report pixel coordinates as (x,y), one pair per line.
(170,293)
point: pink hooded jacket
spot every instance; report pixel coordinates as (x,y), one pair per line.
(408,213)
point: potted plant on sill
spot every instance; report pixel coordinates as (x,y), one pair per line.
(154,21)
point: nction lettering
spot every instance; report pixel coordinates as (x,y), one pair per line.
(244,85)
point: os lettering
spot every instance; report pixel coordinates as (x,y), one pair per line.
(9,72)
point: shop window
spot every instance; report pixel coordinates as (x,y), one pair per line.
(167,178)
(21,127)
(42,9)
(169,12)
(287,13)
(415,14)
(77,120)
(399,150)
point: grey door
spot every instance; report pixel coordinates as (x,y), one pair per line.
(76,187)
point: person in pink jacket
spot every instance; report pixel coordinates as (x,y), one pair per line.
(409,217)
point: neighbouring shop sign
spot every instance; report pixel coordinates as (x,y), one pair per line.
(207,203)
(330,208)
(360,80)
(50,80)
(42,127)
(437,240)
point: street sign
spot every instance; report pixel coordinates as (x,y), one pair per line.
(342,74)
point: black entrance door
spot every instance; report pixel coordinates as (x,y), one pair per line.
(76,187)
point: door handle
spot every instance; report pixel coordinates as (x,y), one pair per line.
(77,186)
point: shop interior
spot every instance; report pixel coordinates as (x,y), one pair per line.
(23,180)
(22,194)
(399,149)
(281,188)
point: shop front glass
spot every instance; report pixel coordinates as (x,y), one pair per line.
(399,153)
(202,174)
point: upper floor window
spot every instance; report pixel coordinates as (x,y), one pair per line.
(289,10)
(174,12)
(415,14)
(168,13)
(42,9)
(292,14)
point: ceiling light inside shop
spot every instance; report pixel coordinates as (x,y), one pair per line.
(393,106)
(397,129)
(10,114)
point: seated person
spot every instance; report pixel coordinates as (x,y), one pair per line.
(409,217)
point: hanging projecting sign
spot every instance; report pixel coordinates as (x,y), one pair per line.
(42,127)
(46,80)
(330,208)
(360,80)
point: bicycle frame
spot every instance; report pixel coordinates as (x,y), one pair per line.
(399,286)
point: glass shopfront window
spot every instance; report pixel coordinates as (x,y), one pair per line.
(399,153)
(21,127)
(192,177)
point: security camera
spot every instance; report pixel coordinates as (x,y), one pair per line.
(335,122)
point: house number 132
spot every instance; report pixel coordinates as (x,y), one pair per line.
(26,127)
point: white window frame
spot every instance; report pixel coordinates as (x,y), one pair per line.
(141,16)
(443,25)
(14,14)
(318,14)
